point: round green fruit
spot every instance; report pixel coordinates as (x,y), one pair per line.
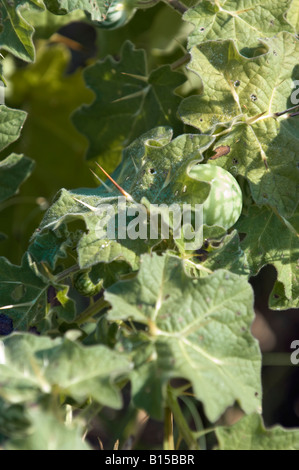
(224,204)
(84,285)
(118,14)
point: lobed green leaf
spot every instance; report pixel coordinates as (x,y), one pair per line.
(274,241)
(198,329)
(35,365)
(16,33)
(244,22)
(244,95)
(129,101)
(250,434)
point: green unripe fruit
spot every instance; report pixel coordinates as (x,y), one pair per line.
(84,285)
(224,204)
(118,14)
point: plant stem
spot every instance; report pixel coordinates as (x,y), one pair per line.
(92,310)
(59,277)
(180,421)
(168,443)
(181,61)
(286,111)
(177,5)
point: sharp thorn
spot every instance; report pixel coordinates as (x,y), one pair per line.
(121,190)
(135,166)
(94,209)
(102,182)
(138,77)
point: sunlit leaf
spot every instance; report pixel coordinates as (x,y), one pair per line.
(244,95)
(198,329)
(32,365)
(245,22)
(16,33)
(250,434)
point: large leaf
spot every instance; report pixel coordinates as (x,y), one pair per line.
(129,101)
(250,434)
(16,33)
(13,171)
(245,22)
(161,167)
(33,365)
(198,329)
(48,432)
(246,94)
(273,241)
(60,161)
(160,176)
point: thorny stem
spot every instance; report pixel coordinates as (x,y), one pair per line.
(67,272)
(286,111)
(286,223)
(168,442)
(198,266)
(181,61)
(179,419)
(259,117)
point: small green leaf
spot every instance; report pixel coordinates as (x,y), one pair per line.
(11,123)
(16,33)
(228,255)
(96,8)
(13,171)
(250,434)
(198,329)
(24,296)
(49,247)
(273,241)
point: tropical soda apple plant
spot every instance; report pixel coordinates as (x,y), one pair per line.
(111,314)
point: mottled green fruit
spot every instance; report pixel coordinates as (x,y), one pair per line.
(84,285)
(118,14)
(224,203)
